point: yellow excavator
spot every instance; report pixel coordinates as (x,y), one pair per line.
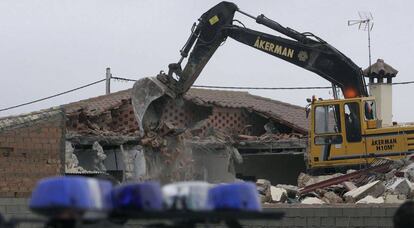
(343,132)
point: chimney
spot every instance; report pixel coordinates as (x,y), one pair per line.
(380,77)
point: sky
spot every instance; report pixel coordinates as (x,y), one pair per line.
(50,46)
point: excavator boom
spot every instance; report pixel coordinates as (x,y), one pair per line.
(215,26)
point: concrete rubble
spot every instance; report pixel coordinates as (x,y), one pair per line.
(375,189)
(279,195)
(331,198)
(312,200)
(400,186)
(71,161)
(394,199)
(370,199)
(393,184)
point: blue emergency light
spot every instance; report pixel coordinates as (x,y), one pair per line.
(70,196)
(241,196)
(144,196)
(189,195)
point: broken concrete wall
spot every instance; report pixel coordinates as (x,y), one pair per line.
(90,158)
(71,160)
(214,162)
(135,164)
(210,161)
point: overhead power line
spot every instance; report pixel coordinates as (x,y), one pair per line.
(261,88)
(240,87)
(402,83)
(52,96)
(196,86)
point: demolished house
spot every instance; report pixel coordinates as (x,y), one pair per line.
(217,131)
(226,135)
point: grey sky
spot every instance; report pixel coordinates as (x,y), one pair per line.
(48,46)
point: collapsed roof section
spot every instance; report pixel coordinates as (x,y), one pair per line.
(290,115)
(113,115)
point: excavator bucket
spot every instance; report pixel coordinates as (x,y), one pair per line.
(147,94)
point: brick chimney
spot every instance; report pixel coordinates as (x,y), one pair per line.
(380,77)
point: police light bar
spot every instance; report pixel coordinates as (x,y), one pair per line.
(191,195)
(72,197)
(144,196)
(241,196)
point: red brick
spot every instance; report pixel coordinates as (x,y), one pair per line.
(27,164)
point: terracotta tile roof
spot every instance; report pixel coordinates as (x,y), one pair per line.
(288,114)
(96,105)
(380,68)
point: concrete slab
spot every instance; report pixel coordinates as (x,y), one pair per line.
(374,189)
(370,200)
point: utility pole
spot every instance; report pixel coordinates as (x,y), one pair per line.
(108,80)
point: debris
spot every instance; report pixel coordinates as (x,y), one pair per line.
(379,166)
(349,185)
(350,171)
(385,181)
(331,197)
(263,186)
(71,161)
(134,160)
(408,171)
(279,195)
(370,199)
(401,186)
(247,137)
(375,189)
(390,174)
(306,180)
(303,178)
(395,199)
(99,158)
(312,200)
(292,191)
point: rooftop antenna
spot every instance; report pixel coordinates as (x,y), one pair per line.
(364,23)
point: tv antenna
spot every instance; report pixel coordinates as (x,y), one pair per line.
(364,23)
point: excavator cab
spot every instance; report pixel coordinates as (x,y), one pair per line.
(339,132)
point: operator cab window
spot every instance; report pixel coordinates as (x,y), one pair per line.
(327,119)
(327,125)
(370,110)
(352,122)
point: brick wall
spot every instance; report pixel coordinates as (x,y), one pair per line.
(353,216)
(29,152)
(340,215)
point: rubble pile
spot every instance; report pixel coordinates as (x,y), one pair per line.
(391,182)
(270,137)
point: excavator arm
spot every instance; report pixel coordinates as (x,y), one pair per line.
(214,27)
